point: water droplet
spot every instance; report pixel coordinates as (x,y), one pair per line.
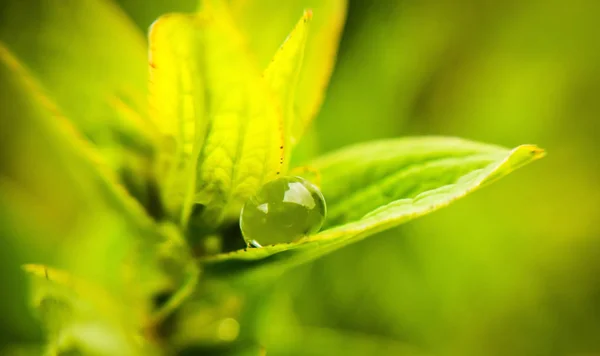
(284,210)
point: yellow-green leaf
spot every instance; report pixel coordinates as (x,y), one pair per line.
(375,186)
(283,73)
(266,23)
(177,104)
(244,145)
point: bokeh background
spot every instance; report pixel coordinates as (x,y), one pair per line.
(512,269)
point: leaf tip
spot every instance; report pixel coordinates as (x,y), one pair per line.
(534,152)
(518,157)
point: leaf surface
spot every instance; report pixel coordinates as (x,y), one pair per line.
(244,145)
(372,187)
(283,73)
(177,105)
(266,24)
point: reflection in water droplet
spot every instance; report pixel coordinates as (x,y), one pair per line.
(297,193)
(264,208)
(284,210)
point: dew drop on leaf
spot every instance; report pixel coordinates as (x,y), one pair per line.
(284,210)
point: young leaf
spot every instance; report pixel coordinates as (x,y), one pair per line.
(266,24)
(177,105)
(383,184)
(283,72)
(244,145)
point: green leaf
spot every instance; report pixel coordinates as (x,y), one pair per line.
(266,23)
(177,105)
(359,179)
(212,105)
(244,145)
(283,73)
(375,186)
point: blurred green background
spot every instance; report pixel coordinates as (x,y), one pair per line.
(510,270)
